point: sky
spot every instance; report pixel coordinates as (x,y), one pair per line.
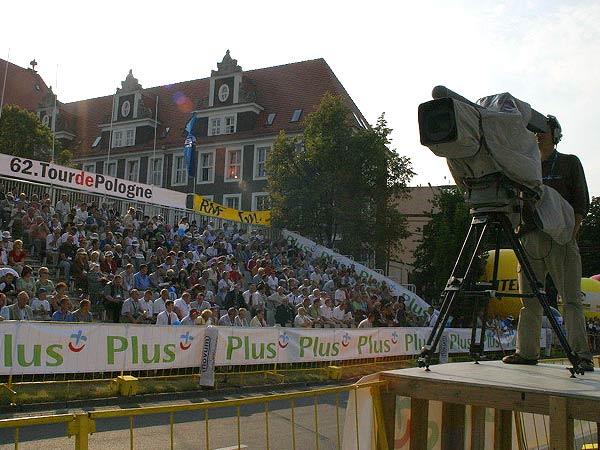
(387,54)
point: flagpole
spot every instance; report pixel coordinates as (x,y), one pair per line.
(112,114)
(155,130)
(4,83)
(54,114)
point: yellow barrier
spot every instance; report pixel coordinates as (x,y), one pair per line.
(83,424)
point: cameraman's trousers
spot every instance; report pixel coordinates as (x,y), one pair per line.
(563,262)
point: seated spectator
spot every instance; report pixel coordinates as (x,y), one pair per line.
(241,320)
(44,280)
(131,311)
(40,305)
(157,278)
(16,257)
(141,279)
(159,305)
(109,266)
(4,311)
(83,314)
(26,282)
(343,314)
(63,314)
(284,313)
(368,322)
(191,318)
(228,320)
(206,318)
(259,319)
(8,287)
(182,305)
(302,319)
(168,316)
(147,304)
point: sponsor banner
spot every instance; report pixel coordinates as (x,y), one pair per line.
(413,301)
(37,348)
(210,208)
(207,365)
(66,177)
(246,346)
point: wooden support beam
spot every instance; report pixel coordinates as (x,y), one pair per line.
(419,423)
(388,406)
(453,426)
(503,429)
(478,427)
(561,425)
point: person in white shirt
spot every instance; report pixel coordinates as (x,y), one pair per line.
(146,303)
(41,305)
(342,314)
(168,316)
(302,319)
(159,305)
(327,313)
(247,294)
(259,319)
(241,320)
(368,322)
(258,299)
(431,317)
(131,311)
(340,295)
(228,320)
(182,305)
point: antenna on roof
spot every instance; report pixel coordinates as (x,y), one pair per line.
(33,63)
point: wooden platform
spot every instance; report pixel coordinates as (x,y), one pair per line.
(543,389)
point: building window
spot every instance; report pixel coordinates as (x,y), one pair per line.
(232,200)
(132,169)
(296,115)
(229,124)
(111,169)
(89,168)
(96,142)
(260,201)
(233,165)
(271,118)
(179,171)
(207,167)
(129,138)
(215,126)
(155,171)
(117,139)
(224,93)
(124,138)
(260,160)
(209,197)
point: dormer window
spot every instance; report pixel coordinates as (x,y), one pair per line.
(96,142)
(215,126)
(229,124)
(224,93)
(296,115)
(123,138)
(222,125)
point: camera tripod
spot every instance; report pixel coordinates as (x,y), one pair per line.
(481,224)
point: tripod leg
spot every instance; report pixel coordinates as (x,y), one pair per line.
(453,287)
(541,296)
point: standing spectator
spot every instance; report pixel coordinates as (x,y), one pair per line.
(182,305)
(63,207)
(113,298)
(67,251)
(80,267)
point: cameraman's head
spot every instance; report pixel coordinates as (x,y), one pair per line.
(547,141)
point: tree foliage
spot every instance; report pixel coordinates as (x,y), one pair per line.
(443,237)
(589,240)
(338,184)
(22,134)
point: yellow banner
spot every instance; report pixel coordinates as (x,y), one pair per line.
(211,208)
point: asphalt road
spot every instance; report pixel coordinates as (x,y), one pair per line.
(153,432)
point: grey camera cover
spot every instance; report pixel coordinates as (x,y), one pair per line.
(512,146)
(555,216)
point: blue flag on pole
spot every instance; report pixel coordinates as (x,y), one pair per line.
(189,147)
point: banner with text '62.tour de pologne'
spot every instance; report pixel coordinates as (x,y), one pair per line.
(67,177)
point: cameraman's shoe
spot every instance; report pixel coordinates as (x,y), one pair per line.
(515,358)
(587,365)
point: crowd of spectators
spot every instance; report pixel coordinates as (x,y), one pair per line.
(85,262)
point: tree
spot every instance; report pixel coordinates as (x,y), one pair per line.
(443,237)
(22,134)
(589,240)
(338,184)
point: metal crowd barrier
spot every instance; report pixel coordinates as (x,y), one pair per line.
(325,405)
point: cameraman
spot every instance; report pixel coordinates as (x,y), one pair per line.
(565,174)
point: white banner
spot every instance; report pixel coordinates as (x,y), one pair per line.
(246,346)
(66,177)
(412,300)
(37,347)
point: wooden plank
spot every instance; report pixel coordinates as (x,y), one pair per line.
(561,425)
(453,426)
(388,406)
(503,430)
(478,428)
(419,423)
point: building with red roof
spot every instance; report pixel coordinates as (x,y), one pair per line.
(238,116)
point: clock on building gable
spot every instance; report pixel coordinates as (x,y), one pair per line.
(224,91)
(125,110)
